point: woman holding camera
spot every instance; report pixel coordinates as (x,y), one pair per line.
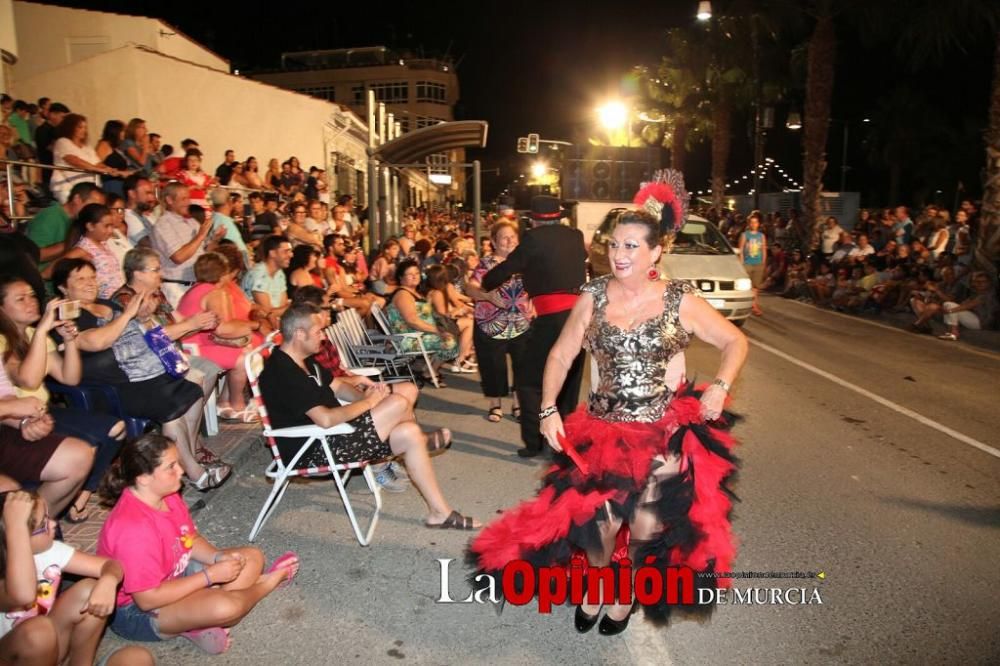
(29,355)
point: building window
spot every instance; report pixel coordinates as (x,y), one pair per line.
(394,92)
(358,95)
(428,91)
(427,121)
(320,92)
(439,163)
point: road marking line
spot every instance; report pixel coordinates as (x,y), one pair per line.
(961,345)
(986,448)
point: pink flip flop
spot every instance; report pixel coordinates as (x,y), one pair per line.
(214,640)
(282,563)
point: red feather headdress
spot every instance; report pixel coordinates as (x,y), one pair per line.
(666,198)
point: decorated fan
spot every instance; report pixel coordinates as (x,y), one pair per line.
(666,198)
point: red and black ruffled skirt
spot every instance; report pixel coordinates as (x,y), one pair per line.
(563,522)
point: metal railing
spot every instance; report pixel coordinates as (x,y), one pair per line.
(9,172)
(10,165)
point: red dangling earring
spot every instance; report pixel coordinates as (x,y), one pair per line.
(653,273)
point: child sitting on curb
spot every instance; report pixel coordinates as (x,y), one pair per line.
(176,582)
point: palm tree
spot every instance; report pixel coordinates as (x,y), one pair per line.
(816,118)
(935,28)
(676,98)
(989,243)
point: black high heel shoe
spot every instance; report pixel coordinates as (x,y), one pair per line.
(611,627)
(584,622)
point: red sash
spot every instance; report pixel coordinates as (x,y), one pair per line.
(551,303)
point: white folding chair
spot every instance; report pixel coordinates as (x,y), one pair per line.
(281,472)
(398,341)
(371,347)
(211,411)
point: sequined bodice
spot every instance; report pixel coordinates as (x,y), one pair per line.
(633,364)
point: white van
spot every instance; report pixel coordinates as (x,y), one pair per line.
(701,256)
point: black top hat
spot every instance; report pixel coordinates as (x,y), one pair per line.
(544,207)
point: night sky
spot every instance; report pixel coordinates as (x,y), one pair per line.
(543,67)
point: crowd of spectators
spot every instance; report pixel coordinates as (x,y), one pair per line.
(146,276)
(887,262)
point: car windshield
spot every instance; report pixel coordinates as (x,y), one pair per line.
(699,237)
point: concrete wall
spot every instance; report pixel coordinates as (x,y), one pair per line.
(218,110)
(52,37)
(8,43)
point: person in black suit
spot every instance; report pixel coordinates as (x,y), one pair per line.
(552,261)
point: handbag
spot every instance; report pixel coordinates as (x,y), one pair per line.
(172,358)
(239,342)
(447,324)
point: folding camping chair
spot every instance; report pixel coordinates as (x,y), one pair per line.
(397,340)
(281,472)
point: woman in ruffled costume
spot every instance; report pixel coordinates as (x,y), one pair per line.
(651,457)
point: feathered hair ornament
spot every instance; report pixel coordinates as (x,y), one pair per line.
(666,198)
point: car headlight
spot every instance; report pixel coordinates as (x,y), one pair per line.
(743,284)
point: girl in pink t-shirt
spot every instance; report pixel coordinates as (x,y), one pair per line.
(37,624)
(176,582)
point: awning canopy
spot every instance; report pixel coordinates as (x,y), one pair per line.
(415,145)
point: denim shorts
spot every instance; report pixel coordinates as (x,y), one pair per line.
(134,624)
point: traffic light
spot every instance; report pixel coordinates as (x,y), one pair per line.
(522,144)
(532,143)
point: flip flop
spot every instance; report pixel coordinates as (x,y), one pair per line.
(436,440)
(455,521)
(82,515)
(282,562)
(495,415)
(214,640)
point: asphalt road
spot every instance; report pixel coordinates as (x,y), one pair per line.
(883,490)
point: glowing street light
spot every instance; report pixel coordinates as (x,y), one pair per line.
(612,115)
(704,10)
(539,169)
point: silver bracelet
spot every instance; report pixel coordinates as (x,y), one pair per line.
(547,412)
(721,384)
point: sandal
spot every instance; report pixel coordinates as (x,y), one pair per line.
(285,562)
(515,413)
(455,521)
(246,415)
(214,477)
(213,640)
(436,440)
(495,414)
(227,414)
(82,515)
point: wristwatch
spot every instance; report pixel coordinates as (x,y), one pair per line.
(721,384)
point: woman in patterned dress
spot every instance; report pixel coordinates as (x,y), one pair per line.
(625,485)
(410,312)
(502,319)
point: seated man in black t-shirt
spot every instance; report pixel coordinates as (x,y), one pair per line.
(299,391)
